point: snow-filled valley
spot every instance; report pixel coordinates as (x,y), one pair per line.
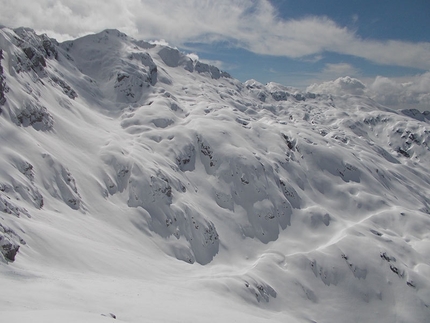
(140,185)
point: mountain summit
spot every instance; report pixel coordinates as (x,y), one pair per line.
(139,184)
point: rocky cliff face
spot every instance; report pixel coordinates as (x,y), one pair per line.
(3,87)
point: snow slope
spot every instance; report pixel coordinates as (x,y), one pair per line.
(138,183)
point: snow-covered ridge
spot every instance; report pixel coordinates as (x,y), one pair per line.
(117,152)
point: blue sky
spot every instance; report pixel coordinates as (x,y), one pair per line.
(375,20)
(383,43)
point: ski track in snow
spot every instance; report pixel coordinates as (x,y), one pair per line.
(139,185)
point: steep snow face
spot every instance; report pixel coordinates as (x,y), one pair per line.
(123,163)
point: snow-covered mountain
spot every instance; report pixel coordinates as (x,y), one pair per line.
(141,185)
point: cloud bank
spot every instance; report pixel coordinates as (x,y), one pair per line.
(340,86)
(249,24)
(394,93)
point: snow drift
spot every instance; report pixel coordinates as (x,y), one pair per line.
(136,182)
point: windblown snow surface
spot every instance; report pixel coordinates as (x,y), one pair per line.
(139,185)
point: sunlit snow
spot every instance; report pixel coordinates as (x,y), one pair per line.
(140,185)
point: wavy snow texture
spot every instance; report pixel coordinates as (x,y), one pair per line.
(140,162)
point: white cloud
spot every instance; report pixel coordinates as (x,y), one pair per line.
(411,93)
(250,24)
(312,58)
(321,81)
(396,93)
(340,69)
(391,52)
(193,56)
(342,85)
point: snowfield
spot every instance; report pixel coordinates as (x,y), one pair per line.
(139,185)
